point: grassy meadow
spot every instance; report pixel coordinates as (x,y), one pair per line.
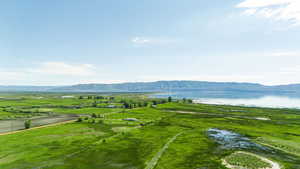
(146,133)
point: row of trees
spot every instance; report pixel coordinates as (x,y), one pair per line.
(184,100)
(134,103)
(129,104)
(97,97)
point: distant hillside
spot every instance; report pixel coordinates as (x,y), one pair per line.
(160,86)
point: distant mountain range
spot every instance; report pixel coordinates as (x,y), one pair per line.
(159,86)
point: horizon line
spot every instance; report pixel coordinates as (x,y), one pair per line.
(111,83)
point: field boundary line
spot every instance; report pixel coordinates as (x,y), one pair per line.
(38,127)
(151,164)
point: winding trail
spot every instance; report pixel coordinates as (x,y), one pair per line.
(151,164)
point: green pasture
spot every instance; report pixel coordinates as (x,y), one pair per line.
(109,141)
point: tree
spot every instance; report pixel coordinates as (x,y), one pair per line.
(145,104)
(94,104)
(163,101)
(131,106)
(80,97)
(27,124)
(126,105)
(140,104)
(184,100)
(169,99)
(94,115)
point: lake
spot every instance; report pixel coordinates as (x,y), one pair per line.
(237,98)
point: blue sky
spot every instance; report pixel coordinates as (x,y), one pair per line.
(62,42)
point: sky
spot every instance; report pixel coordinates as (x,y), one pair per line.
(65,42)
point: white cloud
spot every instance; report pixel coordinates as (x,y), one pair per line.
(262,3)
(290,70)
(249,12)
(282,10)
(141,41)
(50,73)
(61,68)
(283,54)
(12,75)
(273,53)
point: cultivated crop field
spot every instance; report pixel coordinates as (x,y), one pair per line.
(132,131)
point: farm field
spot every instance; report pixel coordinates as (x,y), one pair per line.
(147,133)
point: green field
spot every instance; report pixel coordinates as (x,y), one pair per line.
(4,115)
(246,160)
(163,136)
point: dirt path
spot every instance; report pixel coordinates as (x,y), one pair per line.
(155,159)
(272,163)
(49,125)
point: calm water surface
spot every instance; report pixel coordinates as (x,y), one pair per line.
(237,98)
(266,101)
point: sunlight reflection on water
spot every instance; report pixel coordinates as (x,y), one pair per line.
(267,101)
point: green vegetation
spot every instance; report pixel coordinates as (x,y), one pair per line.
(151,133)
(286,145)
(246,160)
(27,124)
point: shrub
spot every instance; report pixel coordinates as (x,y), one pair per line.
(190,101)
(27,124)
(94,115)
(79,119)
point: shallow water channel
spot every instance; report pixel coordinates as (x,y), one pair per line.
(231,140)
